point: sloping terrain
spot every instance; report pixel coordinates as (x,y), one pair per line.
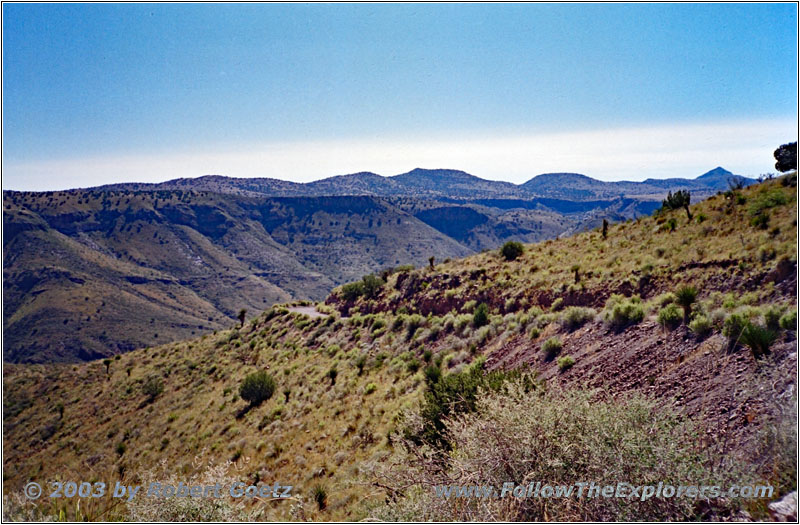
(89,274)
(343,380)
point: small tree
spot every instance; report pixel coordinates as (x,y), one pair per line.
(242,314)
(107,362)
(677,200)
(605,228)
(332,373)
(431,260)
(685,296)
(786,157)
(511,250)
(257,387)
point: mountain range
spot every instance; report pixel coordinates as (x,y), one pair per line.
(98,271)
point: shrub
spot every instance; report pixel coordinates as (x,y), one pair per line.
(257,387)
(320,496)
(685,296)
(576,438)
(480,316)
(789,321)
(772,317)
(758,339)
(551,347)
(565,362)
(576,316)
(669,316)
(453,394)
(153,387)
(352,291)
(557,305)
(370,388)
(732,329)
(622,312)
(700,326)
(511,250)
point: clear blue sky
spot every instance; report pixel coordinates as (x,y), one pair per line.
(124,81)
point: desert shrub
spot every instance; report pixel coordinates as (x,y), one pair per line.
(551,347)
(621,311)
(453,394)
(757,338)
(565,362)
(685,296)
(733,327)
(257,387)
(370,388)
(766,199)
(557,305)
(670,316)
(320,496)
(414,322)
(480,316)
(511,250)
(664,299)
(575,316)
(700,326)
(789,321)
(352,291)
(517,435)
(772,317)
(153,387)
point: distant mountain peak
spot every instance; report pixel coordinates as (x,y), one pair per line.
(719,171)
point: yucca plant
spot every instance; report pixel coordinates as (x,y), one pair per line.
(685,296)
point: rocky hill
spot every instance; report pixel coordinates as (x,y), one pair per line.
(667,321)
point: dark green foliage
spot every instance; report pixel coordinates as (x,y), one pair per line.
(758,339)
(457,393)
(766,199)
(789,321)
(332,373)
(679,199)
(511,250)
(361,361)
(786,157)
(432,374)
(772,317)
(257,387)
(760,221)
(672,224)
(320,496)
(685,297)
(732,329)
(480,317)
(153,387)
(368,286)
(121,448)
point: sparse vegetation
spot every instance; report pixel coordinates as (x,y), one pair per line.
(565,362)
(551,347)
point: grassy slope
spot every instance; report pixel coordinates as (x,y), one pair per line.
(323,433)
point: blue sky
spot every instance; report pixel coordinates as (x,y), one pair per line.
(99,93)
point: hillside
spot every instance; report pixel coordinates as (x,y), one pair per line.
(163,262)
(123,270)
(348,380)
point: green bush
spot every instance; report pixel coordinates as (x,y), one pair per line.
(565,362)
(700,326)
(511,250)
(370,388)
(557,305)
(685,296)
(766,199)
(670,316)
(455,394)
(480,316)
(772,317)
(789,321)
(257,387)
(320,496)
(621,311)
(733,327)
(153,387)
(758,339)
(575,316)
(551,347)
